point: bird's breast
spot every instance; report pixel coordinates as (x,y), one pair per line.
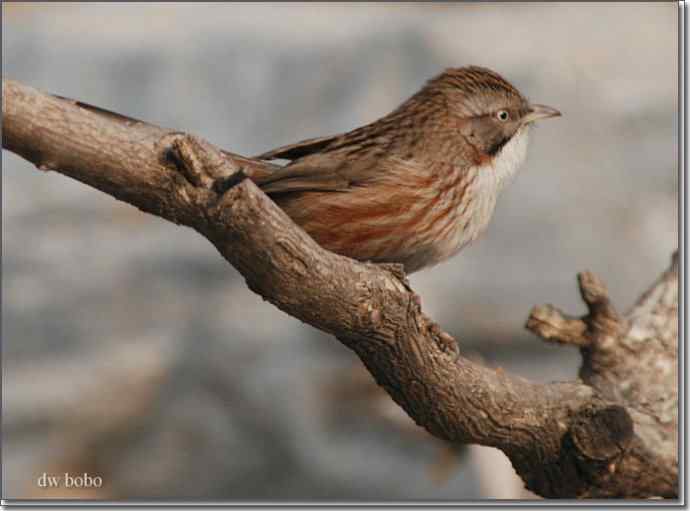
(476,194)
(415,213)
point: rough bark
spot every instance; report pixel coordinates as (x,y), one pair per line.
(612,434)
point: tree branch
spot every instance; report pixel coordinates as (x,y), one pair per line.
(571,439)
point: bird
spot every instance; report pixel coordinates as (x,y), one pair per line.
(415,186)
(412,188)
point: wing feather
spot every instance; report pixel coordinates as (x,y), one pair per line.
(299,149)
(316,172)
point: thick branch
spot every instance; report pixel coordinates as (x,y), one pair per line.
(564,439)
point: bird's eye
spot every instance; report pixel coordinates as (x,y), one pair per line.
(502,115)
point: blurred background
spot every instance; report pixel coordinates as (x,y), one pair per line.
(133,352)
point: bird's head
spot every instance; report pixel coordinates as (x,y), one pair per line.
(489,111)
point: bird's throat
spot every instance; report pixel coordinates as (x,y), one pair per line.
(507,159)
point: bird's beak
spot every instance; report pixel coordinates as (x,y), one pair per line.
(537,112)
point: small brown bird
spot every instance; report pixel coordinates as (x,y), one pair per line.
(417,185)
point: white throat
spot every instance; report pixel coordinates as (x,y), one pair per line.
(490,180)
(504,166)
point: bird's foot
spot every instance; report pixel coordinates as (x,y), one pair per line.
(445,341)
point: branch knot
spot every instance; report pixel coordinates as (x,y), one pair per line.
(202,164)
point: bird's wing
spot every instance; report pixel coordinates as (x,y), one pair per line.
(330,171)
(298,150)
(333,163)
(114,116)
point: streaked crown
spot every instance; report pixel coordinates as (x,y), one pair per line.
(476,90)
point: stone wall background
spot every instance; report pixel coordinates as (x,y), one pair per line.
(131,350)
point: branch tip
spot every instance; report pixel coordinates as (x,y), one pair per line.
(549,323)
(592,289)
(603,318)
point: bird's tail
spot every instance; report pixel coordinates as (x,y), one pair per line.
(255,169)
